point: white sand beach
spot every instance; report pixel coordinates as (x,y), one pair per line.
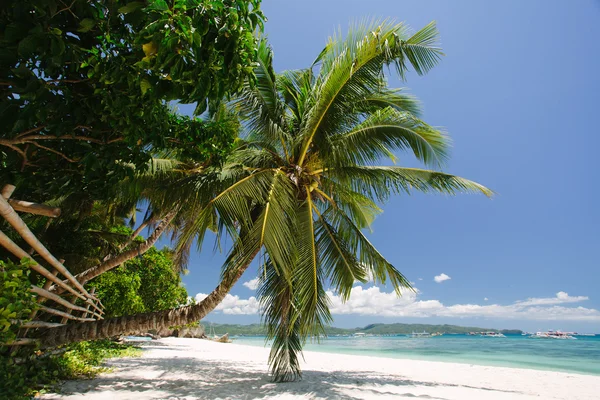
(175,368)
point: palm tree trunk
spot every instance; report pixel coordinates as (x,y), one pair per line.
(119,259)
(139,323)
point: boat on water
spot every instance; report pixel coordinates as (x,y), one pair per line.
(553,335)
(486,334)
(420,334)
(491,334)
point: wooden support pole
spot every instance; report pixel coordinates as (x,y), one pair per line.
(7,191)
(64,314)
(34,208)
(40,324)
(24,342)
(13,219)
(9,245)
(57,299)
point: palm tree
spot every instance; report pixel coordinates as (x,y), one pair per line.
(301,185)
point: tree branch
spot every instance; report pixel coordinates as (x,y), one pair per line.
(53,151)
(27,132)
(29,139)
(119,259)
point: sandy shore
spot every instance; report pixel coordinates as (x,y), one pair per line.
(188,369)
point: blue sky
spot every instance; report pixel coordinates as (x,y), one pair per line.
(519,93)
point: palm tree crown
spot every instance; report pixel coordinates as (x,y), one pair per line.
(301,185)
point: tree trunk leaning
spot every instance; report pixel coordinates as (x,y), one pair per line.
(119,259)
(140,323)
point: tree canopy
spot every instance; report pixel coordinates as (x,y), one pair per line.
(86,87)
(144,284)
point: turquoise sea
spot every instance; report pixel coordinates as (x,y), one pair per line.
(578,356)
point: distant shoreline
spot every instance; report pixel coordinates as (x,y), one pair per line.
(375,329)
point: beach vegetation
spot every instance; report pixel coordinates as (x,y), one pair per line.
(86,86)
(26,372)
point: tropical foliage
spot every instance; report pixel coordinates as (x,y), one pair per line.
(301,185)
(31,371)
(85,86)
(144,284)
(16,301)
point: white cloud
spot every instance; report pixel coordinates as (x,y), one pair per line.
(561,298)
(441,278)
(372,301)
(252,285)
(234,305)
(420,279)
(485,299)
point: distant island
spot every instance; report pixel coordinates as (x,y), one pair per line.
(374,329)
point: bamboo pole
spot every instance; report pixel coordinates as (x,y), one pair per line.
(40,301)
(24,342)
(12,247)
(64,314)
(41,324)
(7,191)
(35,208)
(57,299)
(85,313)
(13,219)
(7,243)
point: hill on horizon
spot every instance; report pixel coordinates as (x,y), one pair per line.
(375,329)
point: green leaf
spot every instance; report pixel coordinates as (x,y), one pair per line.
(57,46)
(131,7)
(158,5)
(86,25)
(28,45)
(145,85)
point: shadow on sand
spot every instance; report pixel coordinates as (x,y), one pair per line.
(184,377)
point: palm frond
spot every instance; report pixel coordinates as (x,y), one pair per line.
(380,182)
(340,263)
(378,267)
(385,131)
(353,68)
(296,90)
(308,277)
(276,226)
(278,311)
(260,104)
(394,98)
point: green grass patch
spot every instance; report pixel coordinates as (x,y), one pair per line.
(84,360)
(27,372)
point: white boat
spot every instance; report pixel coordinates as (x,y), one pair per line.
(420,334)
(491,334)
(552,335)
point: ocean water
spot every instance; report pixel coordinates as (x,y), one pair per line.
(578,356)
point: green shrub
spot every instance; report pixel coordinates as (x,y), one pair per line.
(27,371)
(16,301)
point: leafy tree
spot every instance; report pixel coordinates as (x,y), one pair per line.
(143,284)
(85,86)
(301,185)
